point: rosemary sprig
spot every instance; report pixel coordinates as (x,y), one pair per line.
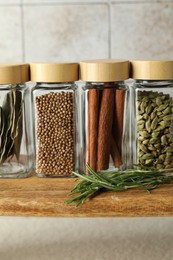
(141,177)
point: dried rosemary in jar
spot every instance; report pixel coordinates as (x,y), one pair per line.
(152,115)
(14,138)
(56,124)
(105,117)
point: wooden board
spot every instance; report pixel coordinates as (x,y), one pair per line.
(45,197)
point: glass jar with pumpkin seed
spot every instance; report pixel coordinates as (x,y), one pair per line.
(152,113)
(15,144)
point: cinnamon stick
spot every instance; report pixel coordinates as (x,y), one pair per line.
(105,129)
(115,153)
(93,117)
(116,143)
(119,116)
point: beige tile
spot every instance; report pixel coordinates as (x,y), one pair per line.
(143,31)
(132,1)
(67,33)
(62,1)
(10,2)
(139,1)
(10,36)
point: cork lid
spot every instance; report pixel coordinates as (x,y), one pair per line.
(152,69)
(54,72)
(104,70)
(13,73)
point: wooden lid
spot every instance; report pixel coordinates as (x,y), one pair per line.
(152,69)
(54,72)
(104,70)
(13,73)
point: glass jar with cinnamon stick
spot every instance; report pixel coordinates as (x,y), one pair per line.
(104,114)
(55,111)
(152,113)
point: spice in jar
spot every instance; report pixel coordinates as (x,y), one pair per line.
(153,98)
(105,101)
(14,137)
(55,119)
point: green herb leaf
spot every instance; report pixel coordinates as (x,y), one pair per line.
(18,125)
(6,147)
(2,123)
(141,177)
(11,125)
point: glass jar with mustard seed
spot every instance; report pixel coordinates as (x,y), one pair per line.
(15,142)
(54,99)
(152,113)
(105,115)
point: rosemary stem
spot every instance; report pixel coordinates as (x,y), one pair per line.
(141,177)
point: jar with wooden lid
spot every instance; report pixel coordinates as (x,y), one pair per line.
(152,113)
(15,144)
(55,111)
(105,118)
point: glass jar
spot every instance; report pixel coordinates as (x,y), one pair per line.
(15,144)
(152,113)
(105,114)
(55,112)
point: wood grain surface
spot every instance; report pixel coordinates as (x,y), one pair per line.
(45,197)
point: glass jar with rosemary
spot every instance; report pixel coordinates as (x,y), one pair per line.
(152,113)
(104,114)
(54,99)
(15,146)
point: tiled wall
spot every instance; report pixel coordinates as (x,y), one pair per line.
(70,30)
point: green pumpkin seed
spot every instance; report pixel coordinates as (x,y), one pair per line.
(143,106)
(153,140)
(147,156)
(166,111)
(149,108)
(140,127)
(166,131)
(149,161)
(164,140)
(151,148)
(154,123)
(140,122)
(155,134)
(146,141)
(143,148)
(144,134)
(167,118)
(145,116)
(162,107)
(157,146)
(148,125)
(141,153)
(158,101)
(169,149)
(162,157)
